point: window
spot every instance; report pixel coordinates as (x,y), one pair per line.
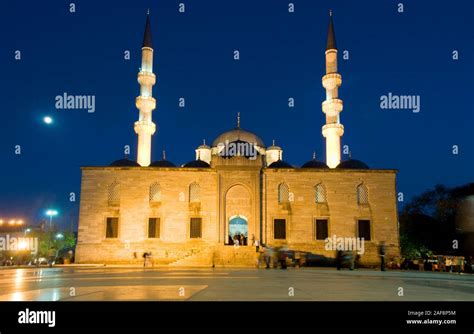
(194,190)
(283,193)
(320,193)
(362,195)
(279,229)
(112,228)
(153,227)
(114,192)
(155,192)
(321,229)
(195,228)
(364,229)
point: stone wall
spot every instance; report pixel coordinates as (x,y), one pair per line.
(134,208)
(175,211)
(341,210)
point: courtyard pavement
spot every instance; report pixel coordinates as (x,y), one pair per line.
(224,284)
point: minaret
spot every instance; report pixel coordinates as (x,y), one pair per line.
(333,130)
(145,103)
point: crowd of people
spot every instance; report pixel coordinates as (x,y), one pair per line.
(238,239)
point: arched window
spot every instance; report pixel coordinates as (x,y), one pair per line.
(283,193)
(114,192)
(155,192)
(320,193)
(194,192)
(362,194)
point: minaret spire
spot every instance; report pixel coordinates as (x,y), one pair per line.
(331,40)
(147,41)
(145,103)
(332,106)
(238,120)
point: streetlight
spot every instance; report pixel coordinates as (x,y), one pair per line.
(51,213)
(59,236)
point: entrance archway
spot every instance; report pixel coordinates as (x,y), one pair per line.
(238,230)
(238,215)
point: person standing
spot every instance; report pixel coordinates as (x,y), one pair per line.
(145,259)
(382,255)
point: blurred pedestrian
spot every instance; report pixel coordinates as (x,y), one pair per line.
(267,256)
(339,256)
(449,264)
(382,255)
(460,263)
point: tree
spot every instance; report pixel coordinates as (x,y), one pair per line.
(54,240)
(428,221)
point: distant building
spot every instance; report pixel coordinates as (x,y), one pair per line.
(235,192)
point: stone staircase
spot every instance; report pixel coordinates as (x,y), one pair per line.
(229,256)
(219,256)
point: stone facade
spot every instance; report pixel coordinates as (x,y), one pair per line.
(228,188)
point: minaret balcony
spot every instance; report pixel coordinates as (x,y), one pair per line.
(144,127)
(145,103)
(333,128)
(146,78)
(332,107)
(332,80)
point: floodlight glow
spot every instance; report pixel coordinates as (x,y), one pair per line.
(51,212)
(47,120)
(22,245)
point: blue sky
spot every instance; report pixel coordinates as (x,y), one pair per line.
(282,56)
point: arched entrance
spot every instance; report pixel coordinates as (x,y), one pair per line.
(238,217)
(238,230)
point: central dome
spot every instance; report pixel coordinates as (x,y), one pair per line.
(240,135)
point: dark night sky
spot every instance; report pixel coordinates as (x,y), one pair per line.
(282,56)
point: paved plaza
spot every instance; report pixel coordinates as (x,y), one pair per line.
(320,284)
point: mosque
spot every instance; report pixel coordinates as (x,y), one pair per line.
(236,193)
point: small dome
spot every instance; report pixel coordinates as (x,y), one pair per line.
(197,164)
(315,164)
(352,164)
(274,147)
(238,134)
(162,163)
(124,163)
(280,164)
